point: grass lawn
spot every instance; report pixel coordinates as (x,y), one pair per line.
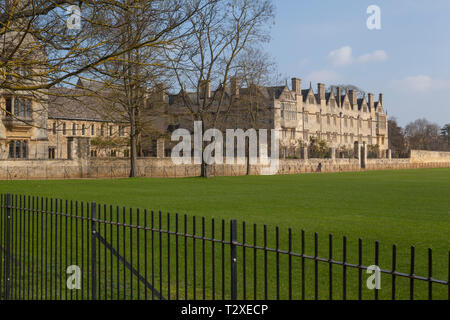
(405,208)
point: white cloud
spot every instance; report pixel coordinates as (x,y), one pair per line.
(323,76)
(420,83)
(344,56)
(376,56)
(341,57)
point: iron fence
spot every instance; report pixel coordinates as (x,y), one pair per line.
(54,249)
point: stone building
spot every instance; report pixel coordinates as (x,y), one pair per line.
(338,117)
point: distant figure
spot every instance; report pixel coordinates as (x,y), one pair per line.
(319,167)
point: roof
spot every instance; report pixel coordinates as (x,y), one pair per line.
(77,104)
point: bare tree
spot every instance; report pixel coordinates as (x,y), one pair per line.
(220,32)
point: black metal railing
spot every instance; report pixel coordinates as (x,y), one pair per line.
(53,249)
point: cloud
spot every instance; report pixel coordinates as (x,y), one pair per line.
(376,56)
(341,57)
(344,56)
(420,83)
(327,76)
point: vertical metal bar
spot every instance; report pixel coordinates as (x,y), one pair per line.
(213,264)
(233,237)
(330,266)
(81,219)
(377,263)
(290,262)
(255,268)
(94,250)
(265,263)
(111,272)
(344,269)
(203,259)
(16,233)
(394,268)
(138,253)
(160,254)
(244,273)
(76,242)
(360,269)
(277,240)
(185,260)
(194,259)
(145,250)
(124,230)
(168,256)
(51,248)
(411,280)
(177,280)
(46,246)
(430,274)
(303,266)
(131,250)
(223,259)
(8,247)
(118,250)
(316,266)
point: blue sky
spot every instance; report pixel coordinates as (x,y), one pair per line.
(408,60)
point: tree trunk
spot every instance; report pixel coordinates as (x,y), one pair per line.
(133,151)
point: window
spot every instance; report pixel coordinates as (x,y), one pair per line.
(121,131)
(51,153)
(22,107)
(311,100)
(102,130)
(54,128)
(126,153)
(64,129)
(83,129)
(18,149)
(283,133)
(93,153)
(74,129)
(293,134)
(92,130)
(8,106)
(288,111)
(110,131)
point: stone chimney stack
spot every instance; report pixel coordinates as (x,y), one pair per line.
(205,86)
(297,85)
(234,83)
(321,91)
(352,95)
(339,95)
(371,101)
(380,99)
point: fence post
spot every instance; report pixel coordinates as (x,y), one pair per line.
(8,247)
(94,251)
(233,236)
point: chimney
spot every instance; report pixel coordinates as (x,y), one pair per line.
(321,91)
(371,101)
(339,96)
(297,85)
(234,83)
(352,95)
(205,86)
(380,99)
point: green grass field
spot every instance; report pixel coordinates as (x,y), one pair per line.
(405,208)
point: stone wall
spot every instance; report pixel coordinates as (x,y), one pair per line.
(422,156)
(95,168)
